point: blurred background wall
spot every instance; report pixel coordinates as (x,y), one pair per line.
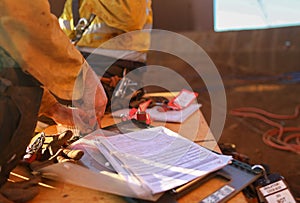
(267,51)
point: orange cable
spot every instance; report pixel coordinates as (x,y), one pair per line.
(268,114)
(274,137)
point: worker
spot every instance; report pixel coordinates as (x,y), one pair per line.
(102,31)
(35,54)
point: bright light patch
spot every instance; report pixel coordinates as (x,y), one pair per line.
(255,14)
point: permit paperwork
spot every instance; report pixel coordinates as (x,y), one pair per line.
(158,159)
(141,164)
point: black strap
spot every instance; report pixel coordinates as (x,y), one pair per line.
(75,11)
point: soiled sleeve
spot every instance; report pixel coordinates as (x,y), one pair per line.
(32,36)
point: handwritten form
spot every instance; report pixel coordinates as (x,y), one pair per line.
(158,158)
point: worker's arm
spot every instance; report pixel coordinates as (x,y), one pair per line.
(32,36)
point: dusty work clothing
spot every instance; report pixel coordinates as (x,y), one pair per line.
(117,38)
(32,37)
(113,18)
(34,51)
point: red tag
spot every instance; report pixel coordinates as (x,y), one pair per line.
(182,100)
(143,106)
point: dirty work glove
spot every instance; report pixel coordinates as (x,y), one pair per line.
(19,192)
(56,152)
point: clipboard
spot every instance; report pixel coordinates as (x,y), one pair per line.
(237,175)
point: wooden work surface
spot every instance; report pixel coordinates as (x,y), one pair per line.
(194,128)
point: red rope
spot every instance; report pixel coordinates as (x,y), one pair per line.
(274,137)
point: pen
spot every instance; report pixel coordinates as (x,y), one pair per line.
(208,140)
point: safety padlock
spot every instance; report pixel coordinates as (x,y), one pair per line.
(272,188)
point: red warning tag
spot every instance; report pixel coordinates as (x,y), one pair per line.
(182,100)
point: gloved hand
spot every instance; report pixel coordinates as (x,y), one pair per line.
(93,101)
(19,192)
(56,152)
(89,105)
(61,114)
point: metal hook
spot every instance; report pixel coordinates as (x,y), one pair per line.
(82,23)
(263,171)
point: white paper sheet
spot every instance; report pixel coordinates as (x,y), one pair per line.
(159,158)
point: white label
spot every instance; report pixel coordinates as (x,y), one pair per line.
(219,195)
(284,196)
(272,188)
